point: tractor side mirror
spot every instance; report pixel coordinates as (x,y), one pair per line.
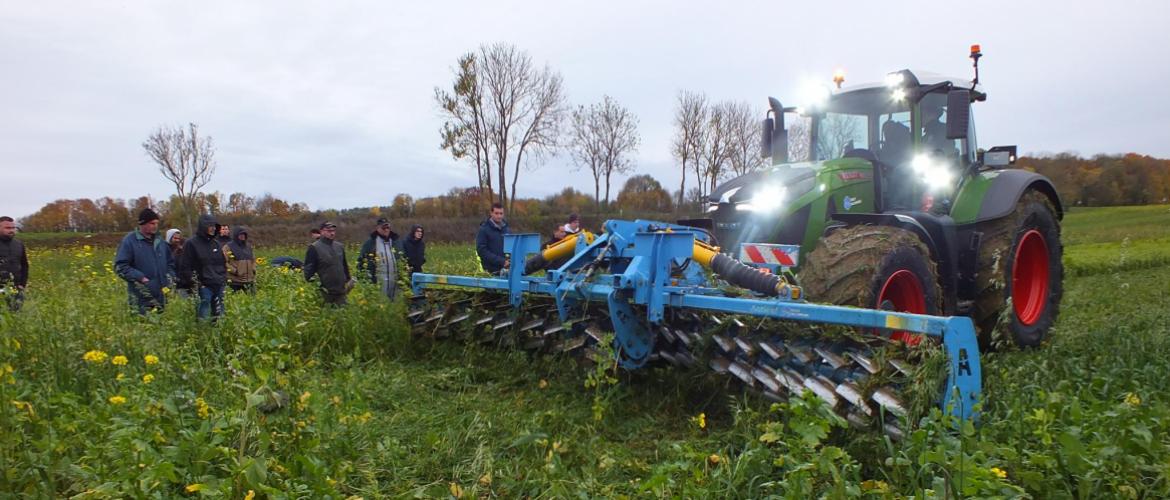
(958,113)
(766,138)
(1000,156)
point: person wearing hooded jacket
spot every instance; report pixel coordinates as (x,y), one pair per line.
(240,262)
(144,260)
(377,261)
(415,249)
(203,262)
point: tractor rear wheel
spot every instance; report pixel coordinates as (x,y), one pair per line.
(876,267)
(1019,259)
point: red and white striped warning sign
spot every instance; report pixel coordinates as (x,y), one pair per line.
(764,253)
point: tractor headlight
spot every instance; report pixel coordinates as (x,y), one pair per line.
(935,174)
(895,79)
(766,199)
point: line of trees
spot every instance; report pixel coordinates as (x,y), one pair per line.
(114,214)
(1105,180)
(714,141)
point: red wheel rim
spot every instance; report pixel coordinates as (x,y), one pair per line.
(904,292)
(1030,278)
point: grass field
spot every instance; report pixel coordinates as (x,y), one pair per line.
(97,403)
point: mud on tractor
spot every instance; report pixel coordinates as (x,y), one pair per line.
(859,272)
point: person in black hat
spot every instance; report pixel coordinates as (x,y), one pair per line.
(378,259)
(325,260)
(144,260)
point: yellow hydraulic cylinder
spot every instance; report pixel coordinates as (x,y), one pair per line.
(566,247)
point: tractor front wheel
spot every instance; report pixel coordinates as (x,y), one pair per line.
(876,267)
(1020,260)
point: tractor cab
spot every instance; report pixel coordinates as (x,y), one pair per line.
(915,130)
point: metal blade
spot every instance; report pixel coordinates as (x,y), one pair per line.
(725,344)
(553,329)
(773,350)
(666,334)
(822,390)
(851,393)
(767,378)
(894,432)
(885,398)
(504,324)
(485,320)
(746,346)
(868,364)
(743,372)
(831,357)
(595,332)
(902,367)
(573,343)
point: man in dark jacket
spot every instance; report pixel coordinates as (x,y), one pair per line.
(241,263)
(13,265)
(326,261)
(415,249)
(489,241)
(377,261)
(144,261)
(203,262)
(224,234)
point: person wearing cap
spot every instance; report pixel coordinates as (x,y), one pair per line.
(240,262)
(144,261)
(325,261)
(205,269)
(377,260)
(13,264)
(574,225)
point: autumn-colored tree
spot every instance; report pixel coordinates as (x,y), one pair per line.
(643,193)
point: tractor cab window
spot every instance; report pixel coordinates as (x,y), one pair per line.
(896,138)
(837,133)
(933,113)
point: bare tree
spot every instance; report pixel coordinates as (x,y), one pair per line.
(465,132)
(716,146)
(689,119)
(185,159)
(603,138)
(744,155)
(501,108)
(799,143)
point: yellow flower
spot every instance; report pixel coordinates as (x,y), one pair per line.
(150,359)
(456,491)
(120,376)
(201,408)
(24,405)
(192,488)
(95,356)
(1132,399)
(1000,473)
(875,485)
(305,397)
(117,400)
(700,420)
(543,384)
(251,494)
(119,360)
(714,459)
(148,378)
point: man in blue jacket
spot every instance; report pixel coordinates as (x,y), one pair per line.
(489,241)
(144,261)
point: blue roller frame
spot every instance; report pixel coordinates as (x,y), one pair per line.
(647,263)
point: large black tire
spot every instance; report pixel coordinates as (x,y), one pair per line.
(1020,238)
(857,265)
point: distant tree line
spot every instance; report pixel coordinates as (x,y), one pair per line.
(1105,180)
(114,214)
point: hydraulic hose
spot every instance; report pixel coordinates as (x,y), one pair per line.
(743,276)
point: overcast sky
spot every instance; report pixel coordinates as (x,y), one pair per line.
(330,103)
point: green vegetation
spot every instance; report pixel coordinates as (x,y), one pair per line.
(286,399)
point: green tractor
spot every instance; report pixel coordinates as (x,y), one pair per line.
(881,198)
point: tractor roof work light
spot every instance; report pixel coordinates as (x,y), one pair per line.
(895,79)
(839,77)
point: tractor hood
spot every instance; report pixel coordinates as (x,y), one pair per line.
(771,186)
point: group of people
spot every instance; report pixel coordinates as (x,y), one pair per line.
(218,258)
(215,259)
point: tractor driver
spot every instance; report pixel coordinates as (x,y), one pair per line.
(934,131)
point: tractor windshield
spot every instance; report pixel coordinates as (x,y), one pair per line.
(866,119)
